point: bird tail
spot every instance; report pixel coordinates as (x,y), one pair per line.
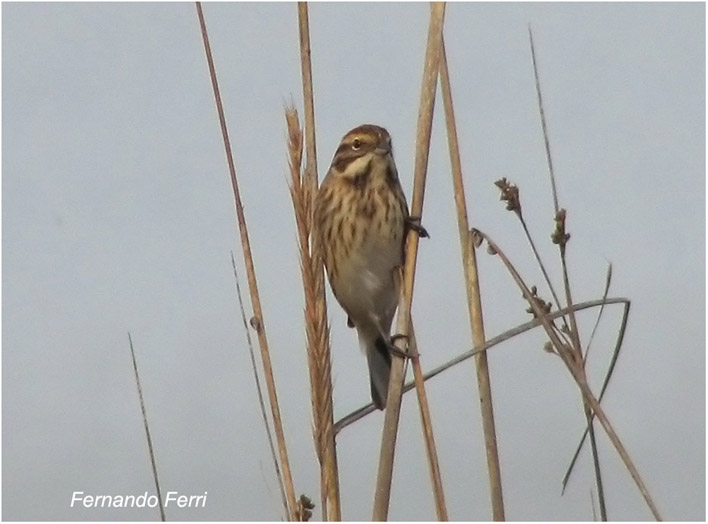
(378,356)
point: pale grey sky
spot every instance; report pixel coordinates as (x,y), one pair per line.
(118,215)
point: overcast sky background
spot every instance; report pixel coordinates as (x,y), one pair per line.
(118,215)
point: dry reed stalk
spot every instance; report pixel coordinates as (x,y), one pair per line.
(575,366)
(153,464)
(316,326)
(257,321)
(474,301)
(393,402)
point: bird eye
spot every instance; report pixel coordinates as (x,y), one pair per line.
(356,144)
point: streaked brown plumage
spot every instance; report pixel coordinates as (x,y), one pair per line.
(360,223)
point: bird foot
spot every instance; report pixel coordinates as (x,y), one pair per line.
(396,351)
(414,224)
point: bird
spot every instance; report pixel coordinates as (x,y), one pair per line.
(361,219)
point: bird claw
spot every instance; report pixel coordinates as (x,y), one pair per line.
(396,351)
(414,224)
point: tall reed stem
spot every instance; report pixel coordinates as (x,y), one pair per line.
(474,301)
(257,321)
(393,402)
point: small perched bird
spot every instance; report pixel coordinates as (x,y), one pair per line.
(360,220)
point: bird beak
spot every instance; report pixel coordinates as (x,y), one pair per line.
(383,149)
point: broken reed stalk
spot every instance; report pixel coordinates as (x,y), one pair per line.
(561,240)
(474,301)
(259,388)
(393,402)
(316,326)
(574,366)
(257,321)
(153,464)
(360,413)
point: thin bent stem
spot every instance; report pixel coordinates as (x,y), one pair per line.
(608,281)
(361,412)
